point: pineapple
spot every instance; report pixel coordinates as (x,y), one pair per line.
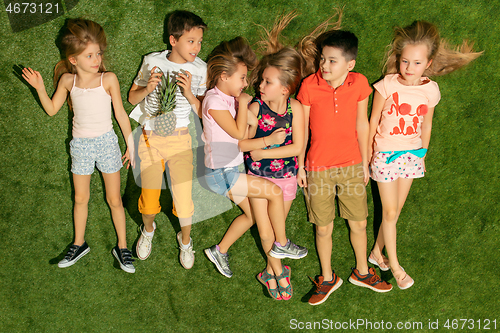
(165,119)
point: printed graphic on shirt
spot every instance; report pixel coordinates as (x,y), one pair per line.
(409,119)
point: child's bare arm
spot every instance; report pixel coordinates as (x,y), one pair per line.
(236,128)
(50,105)
(301,172)
(363,130)
(377,106)
(137,93)
(112,86)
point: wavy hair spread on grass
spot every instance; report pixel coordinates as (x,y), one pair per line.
(73,40)
(294,63)
(225,58)
(445,59)
(309,46)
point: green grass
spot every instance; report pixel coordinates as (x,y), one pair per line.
(448,231)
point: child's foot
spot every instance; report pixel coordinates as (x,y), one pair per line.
(74,253)
(403,280)
(382,262)
(370,280)
(186,255)
(124,257)
(286,291)
(289,250)
(269,281)
(220,260)
(324,288)
(145,243)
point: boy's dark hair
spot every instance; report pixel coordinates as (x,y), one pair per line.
(182,20)
(344,40)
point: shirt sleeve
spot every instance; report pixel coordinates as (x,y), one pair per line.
(365,89)
(381,87)
(303,95)
(434,95)
(144,73)
(203,82)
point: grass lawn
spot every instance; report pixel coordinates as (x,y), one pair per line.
(448,235)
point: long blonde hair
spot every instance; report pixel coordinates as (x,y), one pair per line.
(445,59)
(73,39)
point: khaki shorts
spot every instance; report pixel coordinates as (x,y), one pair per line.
(176,151)
(344,183)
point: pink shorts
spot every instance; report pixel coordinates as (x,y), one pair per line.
(405,166)
(288,185)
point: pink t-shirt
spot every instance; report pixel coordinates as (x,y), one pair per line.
(403,113)
(221,150)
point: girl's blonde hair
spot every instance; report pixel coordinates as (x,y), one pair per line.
(225,58)
(73,40)
(293,63)
(445,59)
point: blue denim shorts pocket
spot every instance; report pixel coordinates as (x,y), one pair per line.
(221,180)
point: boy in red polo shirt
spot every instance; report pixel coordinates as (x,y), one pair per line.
(335,103)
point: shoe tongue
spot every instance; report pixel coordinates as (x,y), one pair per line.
(320,279)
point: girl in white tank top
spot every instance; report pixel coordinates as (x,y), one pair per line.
(92,90)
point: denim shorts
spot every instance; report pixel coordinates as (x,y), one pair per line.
(221,180)
(102,151)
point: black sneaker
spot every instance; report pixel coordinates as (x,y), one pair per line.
(124,257)
(75,252)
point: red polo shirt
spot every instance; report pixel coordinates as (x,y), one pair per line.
(332,120)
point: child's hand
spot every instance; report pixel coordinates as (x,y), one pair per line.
(302,177)
(153,81)
(33,78)
(184,79)
(257,154)
(366,174)
(277,138)
(128,159)
(244,99)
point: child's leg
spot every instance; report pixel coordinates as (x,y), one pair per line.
(82,195)
(255,187)
(113,196)
(324,248)
(393,196)
(359,243)
(239,226)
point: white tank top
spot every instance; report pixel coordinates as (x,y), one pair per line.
(92,111)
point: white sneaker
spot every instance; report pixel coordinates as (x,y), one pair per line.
(144,244)
(186,256)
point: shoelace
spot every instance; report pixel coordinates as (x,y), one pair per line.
(71,252)
(127,256)
(318,286)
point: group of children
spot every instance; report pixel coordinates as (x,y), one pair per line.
(322,140)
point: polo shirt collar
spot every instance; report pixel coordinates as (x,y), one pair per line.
(321,82)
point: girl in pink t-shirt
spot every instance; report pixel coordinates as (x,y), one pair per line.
(400,126)
(81,74)
(223,128)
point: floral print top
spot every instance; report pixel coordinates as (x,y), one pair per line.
(269,121)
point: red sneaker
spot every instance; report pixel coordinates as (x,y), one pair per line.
(370,280)
(324,289)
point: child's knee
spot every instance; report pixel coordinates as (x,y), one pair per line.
(324,231)
(358,226)
(82,198)
(390,214)
(114,202)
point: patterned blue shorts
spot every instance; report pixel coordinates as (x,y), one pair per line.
(102,151)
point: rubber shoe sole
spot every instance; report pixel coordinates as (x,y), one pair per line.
(210,257)
(337,286)
(72,262)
